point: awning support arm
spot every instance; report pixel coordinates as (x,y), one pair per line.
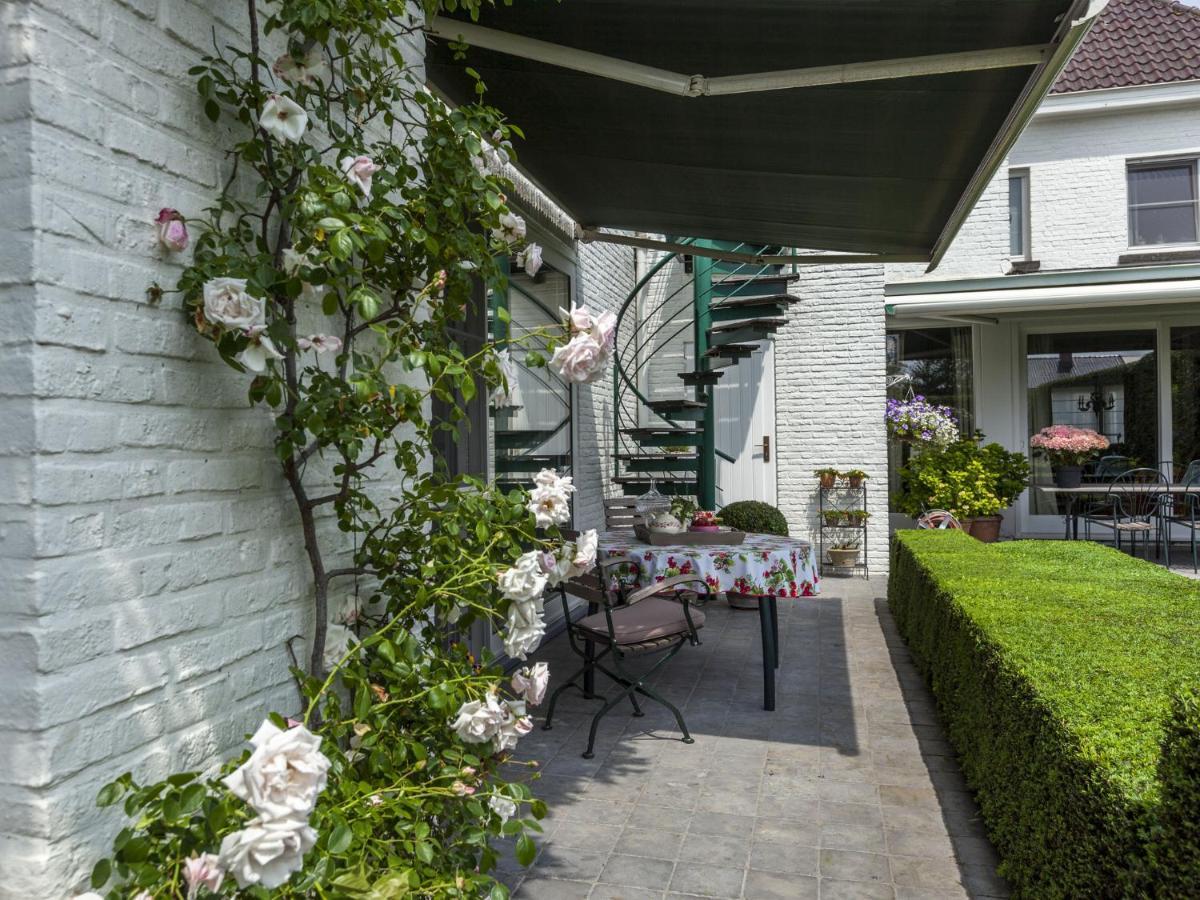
(587,235)
(701,86)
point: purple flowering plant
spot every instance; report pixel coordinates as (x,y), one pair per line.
(918,421)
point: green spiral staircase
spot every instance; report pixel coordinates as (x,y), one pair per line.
(671,442)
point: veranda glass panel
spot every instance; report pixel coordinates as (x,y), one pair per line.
(532,425)
(1103,380)
(1185,396)
(934,363)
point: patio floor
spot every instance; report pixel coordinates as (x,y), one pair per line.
(847,790)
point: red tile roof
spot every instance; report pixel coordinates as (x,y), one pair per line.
(1136,42)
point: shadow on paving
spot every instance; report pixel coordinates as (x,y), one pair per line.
(847,789)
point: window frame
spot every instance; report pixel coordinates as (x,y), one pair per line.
(1023,176)
(1160,162)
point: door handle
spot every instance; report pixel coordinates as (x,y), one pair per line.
(766,448)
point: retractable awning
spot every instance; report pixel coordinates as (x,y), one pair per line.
(862,126)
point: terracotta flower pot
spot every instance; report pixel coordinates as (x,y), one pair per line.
(855,482)
(828,481)
(843,559)
(984,528)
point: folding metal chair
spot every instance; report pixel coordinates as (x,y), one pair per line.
(1135,504)
(658,618)
(1185,510)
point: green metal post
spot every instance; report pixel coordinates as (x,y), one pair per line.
(706,476)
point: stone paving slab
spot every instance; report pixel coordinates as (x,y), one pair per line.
(847,790)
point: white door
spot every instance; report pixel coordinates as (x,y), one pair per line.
(745,414)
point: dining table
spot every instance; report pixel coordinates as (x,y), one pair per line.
(763,567)
(1100,489)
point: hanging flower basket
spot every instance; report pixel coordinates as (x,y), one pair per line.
(921,423)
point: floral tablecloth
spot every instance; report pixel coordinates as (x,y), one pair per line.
(762,565)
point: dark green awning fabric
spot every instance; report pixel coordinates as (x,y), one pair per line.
(874,167)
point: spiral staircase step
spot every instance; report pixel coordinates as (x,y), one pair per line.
(723,286)
(692,410)
(634,485)
(666,437)
(513,439)
(708,376)
(533,462)
(659,462)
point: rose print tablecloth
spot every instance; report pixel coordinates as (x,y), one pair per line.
(763,564)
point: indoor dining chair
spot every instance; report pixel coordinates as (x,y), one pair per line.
(656,619)
(1134,505)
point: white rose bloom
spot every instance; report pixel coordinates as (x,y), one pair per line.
(585,549)
(508,394)
(525,579)
(227,303)
(283,118)
(284,774)
(530,259)
(550,506)
(604,330)
(551,478)
(578,319)
(511,230)
(531,682)
(260,349)
(267,851)
(301,69)
(523,631)
(503,807)
(582,360)
(338,641)
(514,725)
(359,171)
(478,721)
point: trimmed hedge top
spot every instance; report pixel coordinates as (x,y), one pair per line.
(1106,640)
(755,517)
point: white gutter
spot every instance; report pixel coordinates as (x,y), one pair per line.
(1044,299)
(1115,100)
(683,85)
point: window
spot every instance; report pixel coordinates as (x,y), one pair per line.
(1185,396)
(1018,214)
(936,364)
(1162,202)
(1103,380)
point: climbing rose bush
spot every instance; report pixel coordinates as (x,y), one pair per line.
(360,217)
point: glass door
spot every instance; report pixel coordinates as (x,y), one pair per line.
(1103,380)
(1185,398)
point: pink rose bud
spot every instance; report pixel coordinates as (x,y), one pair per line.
(172,230)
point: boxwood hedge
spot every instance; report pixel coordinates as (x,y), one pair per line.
(1066,674)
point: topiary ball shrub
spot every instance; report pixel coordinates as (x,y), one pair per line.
(755,517)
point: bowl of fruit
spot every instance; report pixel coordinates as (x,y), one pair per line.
(704,520)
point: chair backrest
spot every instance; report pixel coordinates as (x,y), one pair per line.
(620,514)
(1191,475)
(1108,467)
(1140,504)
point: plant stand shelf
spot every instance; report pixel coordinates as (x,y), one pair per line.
(842,498)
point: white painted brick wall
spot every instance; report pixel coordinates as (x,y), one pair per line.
(607,273)
(829,384)
(1078,195)
(151,568)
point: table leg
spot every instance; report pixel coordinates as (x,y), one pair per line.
(768,652)
(775,628)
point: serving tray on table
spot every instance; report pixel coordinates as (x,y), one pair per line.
(687,538)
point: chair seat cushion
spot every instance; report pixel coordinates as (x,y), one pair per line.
(652,618)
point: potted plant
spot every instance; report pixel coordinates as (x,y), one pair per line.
(703,520)
(855,477)
(844,555)
(975,483)
(857,517)
(832,517)
(752,517)
(1068,448)
(918,422)
(827,476)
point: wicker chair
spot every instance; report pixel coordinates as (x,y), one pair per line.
(1132,512)
(658,618)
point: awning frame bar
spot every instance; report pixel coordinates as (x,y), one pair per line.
(588,235)
(682,85)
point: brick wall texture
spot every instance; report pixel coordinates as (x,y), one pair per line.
(151,568)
